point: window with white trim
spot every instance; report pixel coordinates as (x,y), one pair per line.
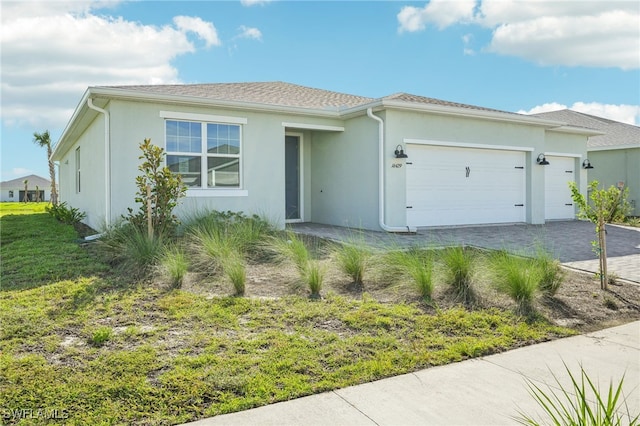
(206,155)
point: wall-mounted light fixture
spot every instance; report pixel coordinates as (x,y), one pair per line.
(586,164)
(542,160)
(400,152)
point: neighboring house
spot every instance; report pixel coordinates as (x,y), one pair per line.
(297,154)
(13,190)
(614,154)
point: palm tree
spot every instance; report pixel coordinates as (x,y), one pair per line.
(44,140)
(26,190)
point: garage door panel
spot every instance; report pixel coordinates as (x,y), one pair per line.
(456,186)
(557,175)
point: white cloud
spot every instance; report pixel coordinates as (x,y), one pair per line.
(248,32)
(571,33)
(249,3)
(204,30)
(467,39)
(629,114)
(52,51)
(440,13)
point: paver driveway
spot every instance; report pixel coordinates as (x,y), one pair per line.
(568,241)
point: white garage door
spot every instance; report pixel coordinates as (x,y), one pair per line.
(557,196)
(463,186)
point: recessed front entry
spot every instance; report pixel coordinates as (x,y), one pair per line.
(292,178)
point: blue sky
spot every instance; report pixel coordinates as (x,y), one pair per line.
(521,56)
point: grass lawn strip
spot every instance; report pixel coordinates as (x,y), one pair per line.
(73,339)
(174,356)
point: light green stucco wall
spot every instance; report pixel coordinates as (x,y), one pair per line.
(91,198)
(132,122)
(620,165)
(344,175)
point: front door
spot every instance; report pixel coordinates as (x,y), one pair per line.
(292,177)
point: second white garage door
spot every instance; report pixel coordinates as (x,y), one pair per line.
(464,186)
(557,195)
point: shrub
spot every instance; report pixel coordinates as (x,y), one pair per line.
(159,190)
(65,214)
(459,266)
(174,265)
(517,277)
(353,259)
(580,404)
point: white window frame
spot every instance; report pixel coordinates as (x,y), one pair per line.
(205,119)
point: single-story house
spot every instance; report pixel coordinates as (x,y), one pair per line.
(299,154)
(13,190)
(614,154)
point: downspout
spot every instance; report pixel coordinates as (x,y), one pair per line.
(107,161)
(381,175)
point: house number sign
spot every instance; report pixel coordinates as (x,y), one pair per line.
(396,165)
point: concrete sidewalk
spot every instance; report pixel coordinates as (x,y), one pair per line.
(482,391)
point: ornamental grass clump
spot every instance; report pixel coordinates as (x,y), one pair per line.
(314,278)
(235,268)
(219,251)
(244,233)
(415,265)
(581,403)
(353,258)
(291,249)
(519,278)
(458,270)
(174,265)
(552,274)
(132,249)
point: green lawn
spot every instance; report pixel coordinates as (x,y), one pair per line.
(21,208)
(76,340)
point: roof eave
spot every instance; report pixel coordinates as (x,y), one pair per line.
(381,104)
(577,130)
(82,105)
(612,147)
(473,113)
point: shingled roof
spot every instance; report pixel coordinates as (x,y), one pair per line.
(407,97)
(616,134)
(268,93)
(288,95)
